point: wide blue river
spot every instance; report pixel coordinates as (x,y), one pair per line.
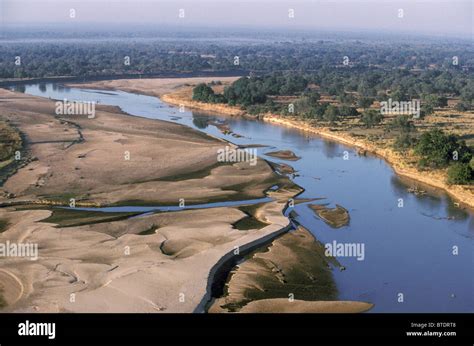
(408,250)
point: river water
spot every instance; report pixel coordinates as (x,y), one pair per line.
(407,250)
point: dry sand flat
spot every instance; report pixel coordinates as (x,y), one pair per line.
(96,170)
(123,266)
(11,288)
(176,91)
(335,217)
(108,268)
(153,86)
(179,92)
(298,306)
(284,155)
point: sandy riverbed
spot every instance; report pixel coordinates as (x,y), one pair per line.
(110,267)
(153,263)
(179,92)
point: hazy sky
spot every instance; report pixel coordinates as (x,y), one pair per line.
(452,17)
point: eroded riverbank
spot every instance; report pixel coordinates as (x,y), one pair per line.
(114,265)
(175,238)
(370,191)
(437,179)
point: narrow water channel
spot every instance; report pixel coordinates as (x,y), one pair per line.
(407,250)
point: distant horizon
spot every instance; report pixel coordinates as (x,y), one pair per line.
(437,18)
(244,31)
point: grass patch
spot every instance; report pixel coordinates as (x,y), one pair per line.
(335,217)
(3,225)
(3,302)
(70,217)
(5,163)
(249,221)
(64,198)
(10,141)
(150,230)
(214,199)
(308,277)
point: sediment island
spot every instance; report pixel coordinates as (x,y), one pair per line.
(125,261)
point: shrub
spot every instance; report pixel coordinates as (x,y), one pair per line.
(459,174)
(371,118)
(203,92)
(331,114)
(403,141)
(438,148)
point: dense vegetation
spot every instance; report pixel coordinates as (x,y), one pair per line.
(10,141)
(257,94)
(319,79)
(414,69)
(439,150)
(434,148)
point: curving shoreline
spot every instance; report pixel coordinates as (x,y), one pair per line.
(197,263)
(171,97)
(279,224)
(433,179)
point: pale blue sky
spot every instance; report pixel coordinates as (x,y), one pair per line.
(452,17)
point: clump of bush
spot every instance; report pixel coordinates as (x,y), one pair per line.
(459,174)
(204,93)
(370,118)
(438,150)
(10,141)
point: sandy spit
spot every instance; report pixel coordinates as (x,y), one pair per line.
(112,266)
(300,306)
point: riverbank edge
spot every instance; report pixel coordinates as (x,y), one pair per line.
(280,224)
(8,82)
(432,179)
(203,305)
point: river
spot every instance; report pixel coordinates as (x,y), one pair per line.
(407,250)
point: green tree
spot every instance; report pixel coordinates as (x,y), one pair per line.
(402,123)
(403,141)
(371,117)
(461,107)
(331,114)
(399,95)
(426,109)
(437,149)
(365,102)
(348,111)
(459,174)
(203,93)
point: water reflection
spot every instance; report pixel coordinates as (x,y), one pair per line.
(330,149)
(18,88)
(407,248)
(201,122)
